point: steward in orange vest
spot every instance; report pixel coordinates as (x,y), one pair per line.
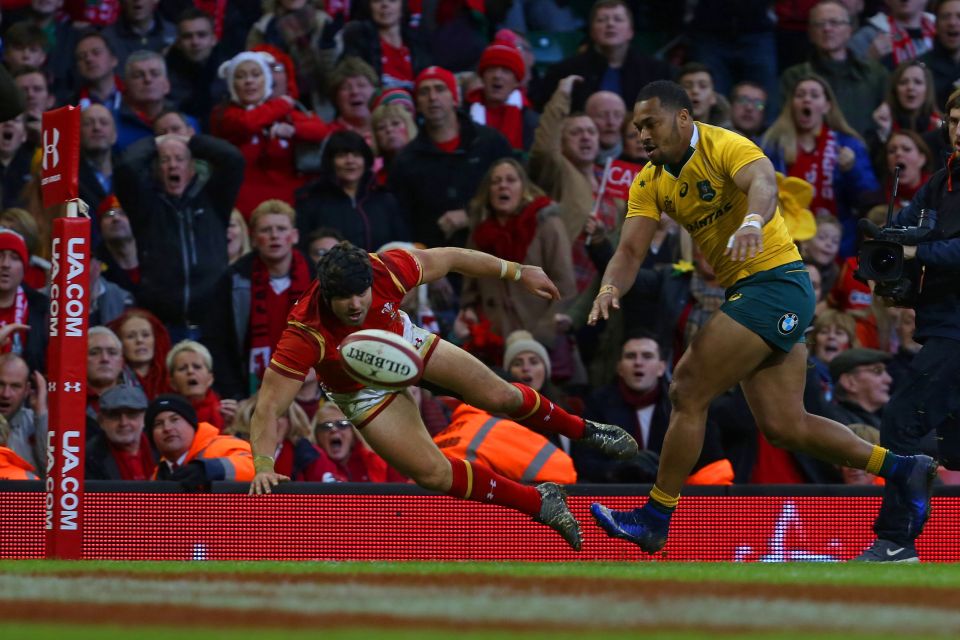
(506,447)
(13,467)
(192,453)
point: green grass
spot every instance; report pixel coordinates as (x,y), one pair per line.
(108,632)
(905,577)
(911,575)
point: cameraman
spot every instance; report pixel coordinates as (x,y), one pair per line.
(929,397)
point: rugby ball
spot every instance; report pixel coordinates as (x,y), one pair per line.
(380,359)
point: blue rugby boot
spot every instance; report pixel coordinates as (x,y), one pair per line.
(647,527)
(917,488)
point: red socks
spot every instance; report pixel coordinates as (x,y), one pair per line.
(543,415)
(474,481)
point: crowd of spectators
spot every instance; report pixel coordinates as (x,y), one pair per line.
(226,146)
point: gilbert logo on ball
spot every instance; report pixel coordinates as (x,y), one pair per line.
(379,358)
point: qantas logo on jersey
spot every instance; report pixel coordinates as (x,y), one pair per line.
(710,218)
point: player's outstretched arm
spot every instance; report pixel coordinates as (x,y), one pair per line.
(622,270)
(437,263)
(759,181)
(276,395)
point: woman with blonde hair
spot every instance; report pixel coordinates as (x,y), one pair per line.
(833,333)
(190,367)
(514,220)
(811,139)
(297,457)
(238,237)
(264,128)
(393,127)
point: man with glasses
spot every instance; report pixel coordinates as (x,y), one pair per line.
(121,451)
(859,84)
(861,385)
(748,104)
(354,460)
(104,366)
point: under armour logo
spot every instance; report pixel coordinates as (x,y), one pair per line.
(419,342)
(71,387)
(50,150)
(51,386)
(546,418)
(493,485)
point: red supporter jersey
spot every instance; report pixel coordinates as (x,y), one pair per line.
(313,333)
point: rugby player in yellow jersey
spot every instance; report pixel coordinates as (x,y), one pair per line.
(721,188)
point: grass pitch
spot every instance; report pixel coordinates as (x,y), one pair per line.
(553,601)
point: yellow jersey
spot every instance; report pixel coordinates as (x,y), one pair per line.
(702,197)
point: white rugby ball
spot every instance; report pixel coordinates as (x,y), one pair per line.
(381,359)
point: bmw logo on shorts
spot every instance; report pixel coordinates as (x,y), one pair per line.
(788,322)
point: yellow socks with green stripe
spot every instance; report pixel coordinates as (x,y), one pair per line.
(886,464)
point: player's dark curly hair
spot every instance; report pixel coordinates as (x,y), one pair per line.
(344,271)
(672,95)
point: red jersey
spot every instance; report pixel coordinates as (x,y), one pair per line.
(313,333)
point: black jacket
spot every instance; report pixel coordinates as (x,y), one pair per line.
(361,40)
(100,463)
(607,405)
(938,304)
(637,71)
(230,345)
(181,242)
(369,221)
(848,412)
(14,176)
(429,182)
(38,312)
(738,433)
(93,193)
(195,88)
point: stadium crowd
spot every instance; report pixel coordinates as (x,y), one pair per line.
(227,146)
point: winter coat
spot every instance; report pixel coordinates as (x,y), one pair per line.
(223,457)
(361,40)
(369,220)
(181,242)
(270,171)
(429,182)
(508,305)
(637,71)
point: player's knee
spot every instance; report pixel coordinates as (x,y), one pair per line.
(781,431)
(435,476)
(499,398)
(683,393)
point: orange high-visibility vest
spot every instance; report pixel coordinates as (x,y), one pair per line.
(505,446)
(13,467)
(234,454)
